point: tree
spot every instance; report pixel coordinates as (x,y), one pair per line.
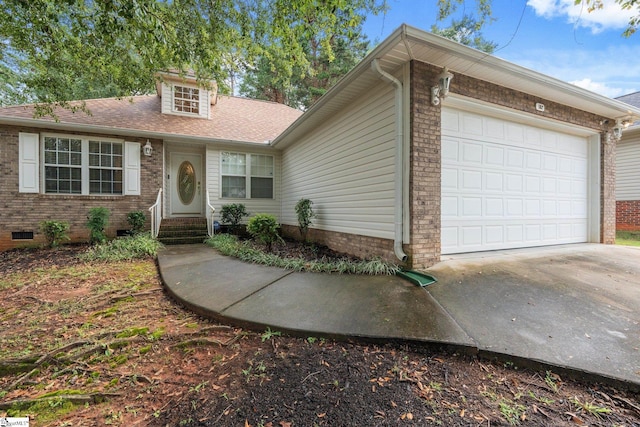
(483,7)
(323,68)
(634,21)
(466,31)
(115,47)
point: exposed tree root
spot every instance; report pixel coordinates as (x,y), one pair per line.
(77,399)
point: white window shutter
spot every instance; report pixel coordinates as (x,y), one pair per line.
(132,168)
(28,163)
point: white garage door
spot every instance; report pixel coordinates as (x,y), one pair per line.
(510,185)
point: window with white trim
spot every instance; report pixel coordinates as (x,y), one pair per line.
(83,165)
(186,99)
(246,174)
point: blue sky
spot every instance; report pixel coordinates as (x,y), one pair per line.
(554,37)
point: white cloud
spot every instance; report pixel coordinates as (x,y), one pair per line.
(611,16)
(601,88)
(611,72)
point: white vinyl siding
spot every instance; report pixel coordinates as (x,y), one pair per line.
(509,185)
(346,167)
(213,179)
(628,170)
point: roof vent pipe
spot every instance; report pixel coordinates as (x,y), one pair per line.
(398,175)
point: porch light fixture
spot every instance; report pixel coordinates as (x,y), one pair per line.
(147,149)
(621,124)
(442,89)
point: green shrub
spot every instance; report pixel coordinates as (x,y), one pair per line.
(304,210)
(97,221)
(136,220)
(54,232)
(264,227)
(232,214)
(141,245)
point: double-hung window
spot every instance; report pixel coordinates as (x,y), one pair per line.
(76,165)
(246,176)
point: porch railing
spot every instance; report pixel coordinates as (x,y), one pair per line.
(156,215)
(210,211)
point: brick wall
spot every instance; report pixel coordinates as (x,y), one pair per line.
(354,244)
(628,215)
(424,182)
(424,248)
(23,211)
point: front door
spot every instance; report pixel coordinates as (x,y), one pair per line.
(185,181)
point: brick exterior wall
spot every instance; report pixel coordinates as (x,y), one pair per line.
(628,215)
(425,125)
(352,244)
(24,211)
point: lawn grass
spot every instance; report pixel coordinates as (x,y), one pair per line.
(628,238)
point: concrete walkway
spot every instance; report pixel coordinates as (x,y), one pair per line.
(573,308)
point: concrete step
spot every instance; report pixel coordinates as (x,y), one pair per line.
(180,231)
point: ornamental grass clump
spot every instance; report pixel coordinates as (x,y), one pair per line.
(139,246)
(230,245)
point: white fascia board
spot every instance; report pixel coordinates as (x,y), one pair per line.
(531,80)
(502,66)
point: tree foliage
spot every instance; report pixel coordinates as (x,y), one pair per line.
(322,68)
(634,21)
(71,49)
(466,31)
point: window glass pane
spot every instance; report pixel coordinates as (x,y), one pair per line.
(234,164)
(105,167)
(50,157)
(261,165)
(234,187)
(261,188)
(186,100)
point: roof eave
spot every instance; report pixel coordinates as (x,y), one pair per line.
(568,94)
(109,130)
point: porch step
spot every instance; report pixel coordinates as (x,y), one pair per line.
(180,231)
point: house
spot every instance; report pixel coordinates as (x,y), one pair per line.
(200,145)
(628,173)
(425,148)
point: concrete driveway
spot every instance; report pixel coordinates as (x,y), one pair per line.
(575,306)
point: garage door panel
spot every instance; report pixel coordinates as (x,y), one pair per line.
(508,185)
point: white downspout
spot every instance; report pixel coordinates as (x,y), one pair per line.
(398,175)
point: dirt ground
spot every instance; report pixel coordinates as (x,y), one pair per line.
(86,344)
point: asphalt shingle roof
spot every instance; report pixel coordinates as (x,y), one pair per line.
(631,99)
(232,118)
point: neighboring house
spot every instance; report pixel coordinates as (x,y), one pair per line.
(628,173)
(510,158)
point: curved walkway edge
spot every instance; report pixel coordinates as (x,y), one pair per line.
(367,308)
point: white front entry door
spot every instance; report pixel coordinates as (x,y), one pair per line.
(510,185)
(185,182)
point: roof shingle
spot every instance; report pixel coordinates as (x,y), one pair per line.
(232,118)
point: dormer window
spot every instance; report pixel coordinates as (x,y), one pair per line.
(186,99)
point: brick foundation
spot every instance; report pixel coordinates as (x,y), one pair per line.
(24,211)
(628,215)
(353,244)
